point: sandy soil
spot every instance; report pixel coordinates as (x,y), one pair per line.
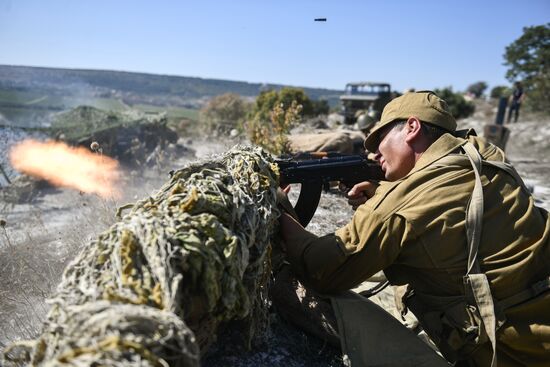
(41,236)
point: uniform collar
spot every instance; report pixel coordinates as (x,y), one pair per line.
(443,146)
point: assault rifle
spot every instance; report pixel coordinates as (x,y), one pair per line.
(316,170)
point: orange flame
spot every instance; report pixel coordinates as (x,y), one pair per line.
(67,166)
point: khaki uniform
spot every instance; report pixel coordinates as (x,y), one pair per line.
(414,230)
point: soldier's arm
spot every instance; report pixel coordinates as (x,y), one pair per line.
(341,260)
(313,259)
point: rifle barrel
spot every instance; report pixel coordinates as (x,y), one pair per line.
(345,168)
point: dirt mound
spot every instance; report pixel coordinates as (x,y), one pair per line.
(132,137)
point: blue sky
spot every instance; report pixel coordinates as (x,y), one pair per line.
(422,44)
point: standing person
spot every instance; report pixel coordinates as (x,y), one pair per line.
(456,226)
(518,95)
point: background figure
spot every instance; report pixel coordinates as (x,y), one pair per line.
(515,101)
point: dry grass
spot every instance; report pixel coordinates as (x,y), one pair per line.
(34,250)
(43,232)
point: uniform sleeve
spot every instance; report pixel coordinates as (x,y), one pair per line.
(342,260)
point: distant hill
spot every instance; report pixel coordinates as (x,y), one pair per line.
(33,92)
(105,83)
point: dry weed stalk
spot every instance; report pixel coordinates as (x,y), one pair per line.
(273,135)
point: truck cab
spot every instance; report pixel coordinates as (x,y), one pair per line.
(364,97)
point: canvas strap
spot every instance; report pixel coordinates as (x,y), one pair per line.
(460,160)
(533,291)
(475,281)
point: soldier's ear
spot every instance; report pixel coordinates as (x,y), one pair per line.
(414,128)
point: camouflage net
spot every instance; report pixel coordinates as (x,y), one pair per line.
(153,289)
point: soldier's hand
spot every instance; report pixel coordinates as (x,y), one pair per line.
(360,193)
(283,203)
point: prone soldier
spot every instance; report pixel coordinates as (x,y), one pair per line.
(454,227)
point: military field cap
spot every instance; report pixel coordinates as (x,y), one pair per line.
(424,105)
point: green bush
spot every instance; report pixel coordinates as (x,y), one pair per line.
(272,134)
(268,100)
(477,89)
(500,91)
(289,95)
(320,107)
(265,102)
(458,106)
(224,113)
(275,112)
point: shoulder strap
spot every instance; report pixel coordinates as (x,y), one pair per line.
(475,281)
(509,169)
(476,284)
(474,211)
(462,161)
(533,291)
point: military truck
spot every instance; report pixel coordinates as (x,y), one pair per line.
(364,97)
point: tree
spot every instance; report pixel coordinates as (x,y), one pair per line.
(267,100)
(458,106)
(500,91)
(320,107)
(274,114)
(528,60)
(477,89)
(224,112)
(288,95)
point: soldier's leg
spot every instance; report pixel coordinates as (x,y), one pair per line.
(370,335)
(304,308)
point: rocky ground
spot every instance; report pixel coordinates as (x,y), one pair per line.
(41,236)
(528,148)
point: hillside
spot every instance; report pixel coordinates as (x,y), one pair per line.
(31,93)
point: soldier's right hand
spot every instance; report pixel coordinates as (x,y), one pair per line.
(360,193)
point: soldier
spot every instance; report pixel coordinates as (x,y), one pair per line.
(365,122)
(515,101)
(454,226)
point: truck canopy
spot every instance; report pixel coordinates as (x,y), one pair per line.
(366,89)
